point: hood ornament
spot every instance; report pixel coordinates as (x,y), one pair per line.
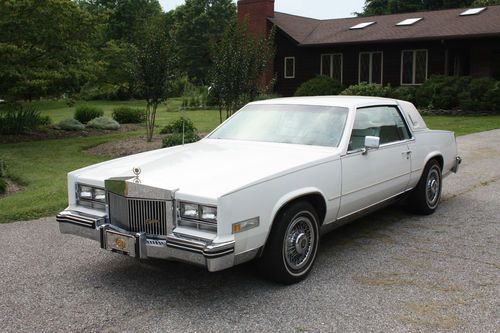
(137,172)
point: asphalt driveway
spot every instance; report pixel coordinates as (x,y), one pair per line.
(391,271)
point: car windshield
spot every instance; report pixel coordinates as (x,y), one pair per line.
(294,124)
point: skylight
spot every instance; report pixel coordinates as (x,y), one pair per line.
(473,11)
(361,25)
(410,21)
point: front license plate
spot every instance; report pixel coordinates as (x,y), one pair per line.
(122,243)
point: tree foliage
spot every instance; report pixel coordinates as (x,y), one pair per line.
(383,7)
(239,61)
(482,3)
(44,48)
(193,25)
(154,64)
(124,18)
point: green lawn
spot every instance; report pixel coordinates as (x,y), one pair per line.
(206,120)
(41,167)
(463,125)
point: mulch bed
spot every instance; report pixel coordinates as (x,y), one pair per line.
(57,133)
(125,147)
(12,187)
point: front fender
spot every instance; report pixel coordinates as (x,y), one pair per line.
(291,196)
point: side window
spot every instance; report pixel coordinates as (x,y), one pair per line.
(382,121)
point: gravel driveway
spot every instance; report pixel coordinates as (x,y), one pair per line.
(388,272)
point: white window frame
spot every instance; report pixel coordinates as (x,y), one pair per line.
(370,78)
(414,76)
(285,71)
(331,64)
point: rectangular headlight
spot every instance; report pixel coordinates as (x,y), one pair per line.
(192,211)
(90,196)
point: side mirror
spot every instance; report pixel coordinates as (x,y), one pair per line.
(371,142)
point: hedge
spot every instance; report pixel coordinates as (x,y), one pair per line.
(440,93)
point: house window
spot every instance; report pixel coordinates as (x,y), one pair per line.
(371,67)
(414,66)
(289,67)
(331,65)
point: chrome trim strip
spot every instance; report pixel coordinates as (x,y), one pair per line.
(213,256)
(372,205)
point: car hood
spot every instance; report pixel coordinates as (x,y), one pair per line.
(209,168)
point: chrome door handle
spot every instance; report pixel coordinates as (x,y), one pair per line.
(406,154)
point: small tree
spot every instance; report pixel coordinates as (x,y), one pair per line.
(239,61)
(154,63)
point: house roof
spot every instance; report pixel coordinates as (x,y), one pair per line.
(441,24)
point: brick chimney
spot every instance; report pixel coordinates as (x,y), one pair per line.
(256,12)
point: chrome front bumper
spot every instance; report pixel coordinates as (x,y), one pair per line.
(214,256)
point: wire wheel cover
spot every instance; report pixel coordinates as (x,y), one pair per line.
(433,187)
(299,242)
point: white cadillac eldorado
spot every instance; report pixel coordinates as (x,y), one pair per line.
(264,185)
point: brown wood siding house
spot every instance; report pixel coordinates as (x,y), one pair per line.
(399,49)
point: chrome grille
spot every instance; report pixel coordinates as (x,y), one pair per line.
(139,215)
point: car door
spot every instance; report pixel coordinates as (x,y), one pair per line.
(370,177)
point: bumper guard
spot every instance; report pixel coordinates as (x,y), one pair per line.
(213,256)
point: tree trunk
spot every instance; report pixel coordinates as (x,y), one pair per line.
(150,120)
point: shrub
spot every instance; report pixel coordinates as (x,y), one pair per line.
(263,97)
(86,113)
(71,125)
(405,93)
(319,86)
(441,92)
(175,139)
(127,115)
(104,123)
(177,126)
(368,89)
(175,130)
(17,119)
(480,95)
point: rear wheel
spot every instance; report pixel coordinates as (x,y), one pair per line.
(426,196)
(292,245)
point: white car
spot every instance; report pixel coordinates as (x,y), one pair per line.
(264,185)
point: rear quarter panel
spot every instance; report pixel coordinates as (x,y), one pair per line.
(429,144)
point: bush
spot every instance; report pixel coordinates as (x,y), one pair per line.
(175,139)
(441,92)
(368,89)
(104,123)
(177,126)
(86,113)
(319,86)
(127,115)
(405,93)
(18,119)
(263,97)
(71,125)
(480,95)
(175,130)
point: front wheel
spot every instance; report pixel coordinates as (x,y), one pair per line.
(426,196)
(292,245)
